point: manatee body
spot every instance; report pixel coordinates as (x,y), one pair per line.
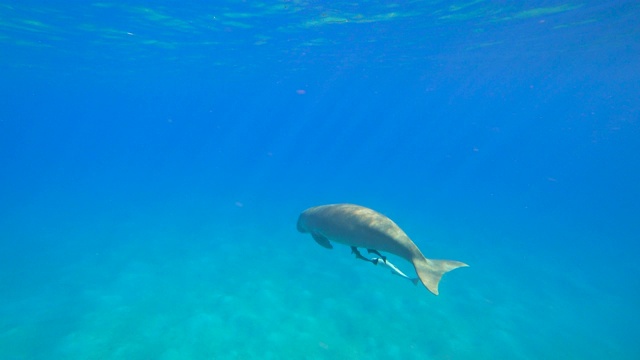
(358,226)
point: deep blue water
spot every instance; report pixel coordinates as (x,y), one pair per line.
(154,157)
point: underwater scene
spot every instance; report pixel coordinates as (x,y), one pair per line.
(310,179)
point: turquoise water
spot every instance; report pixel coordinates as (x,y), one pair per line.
(155,156)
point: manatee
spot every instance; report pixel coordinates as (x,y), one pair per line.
(361,227)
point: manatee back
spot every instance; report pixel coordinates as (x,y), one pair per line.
(359,226)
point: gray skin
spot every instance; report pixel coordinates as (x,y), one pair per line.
(358,226)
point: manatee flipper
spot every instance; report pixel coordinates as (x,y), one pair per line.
(322,241)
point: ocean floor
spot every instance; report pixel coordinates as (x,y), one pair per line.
(238,296)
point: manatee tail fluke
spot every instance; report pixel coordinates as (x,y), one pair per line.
(430,271)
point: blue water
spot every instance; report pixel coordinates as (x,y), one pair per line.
(155,155)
